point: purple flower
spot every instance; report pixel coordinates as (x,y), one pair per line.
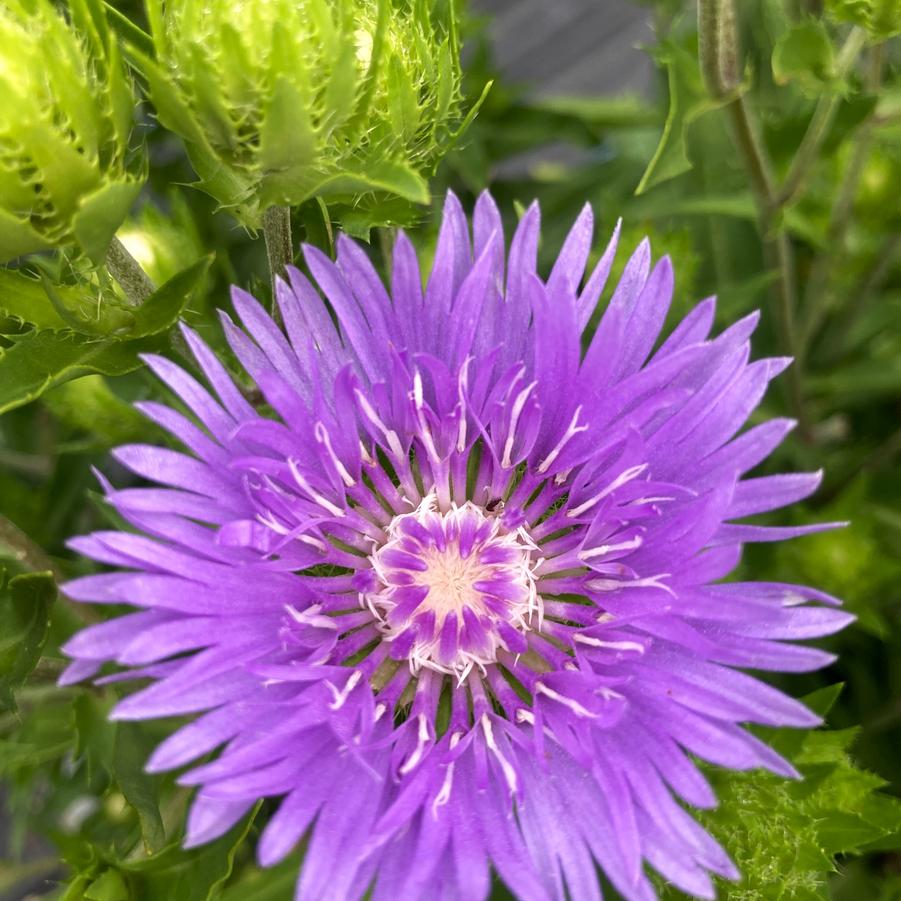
(457,601)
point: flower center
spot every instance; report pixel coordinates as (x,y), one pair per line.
(454,588)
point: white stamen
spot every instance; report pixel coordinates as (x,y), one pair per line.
(515,413)
(311,617)
(610,645)
(341,696)
(603,549)
(390,435)
(625,476)
(571,431)
(422,739)
(426,434)
(417,390)
(444,794)
(608,694)
(462,386)
(322,436)
(323,502)
(648,582)
(313,542)
(573,705)
(506,767)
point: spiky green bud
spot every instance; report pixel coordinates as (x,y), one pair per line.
(280,101)
(66,173)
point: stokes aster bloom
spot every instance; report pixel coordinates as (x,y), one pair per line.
(458,603)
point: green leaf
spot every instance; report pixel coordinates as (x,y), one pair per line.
(127,29)
(141,790)
(195,875)
(164,307)
(287,145)
(804,54)
(881,18)
(95,734)
(89,405)
(100,214)
(43,305)
(393,177)
(687,101)
(276,884)
(24,626)
(109,887)
(17,237)
(784,835)
(39,360)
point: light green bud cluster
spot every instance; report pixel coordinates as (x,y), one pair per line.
(66,115)
(280,101)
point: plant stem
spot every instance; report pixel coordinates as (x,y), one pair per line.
(757,164)
(279,248)
(719,61)
(718,46)
(777,250)
(125,269)
(820,123)
(27,552)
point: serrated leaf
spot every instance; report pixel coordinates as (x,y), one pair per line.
(287,146)
(43,305)
(17,237)
(392,177)
(100,214)
(41,359)
(24,626)
(784,835)
(128,30)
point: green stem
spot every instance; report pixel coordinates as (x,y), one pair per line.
(27,552)
(718,46)
(279,248)
(777,250)
(125,269)
(820,124)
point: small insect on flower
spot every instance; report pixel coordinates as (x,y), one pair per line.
(458,603)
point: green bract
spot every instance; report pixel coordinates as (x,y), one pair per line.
(66,175)
(279,101)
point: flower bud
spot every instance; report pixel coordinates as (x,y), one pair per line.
(66,174)
(280,101)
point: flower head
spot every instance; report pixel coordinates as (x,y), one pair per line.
(293,99)
(457,603)
(66,173)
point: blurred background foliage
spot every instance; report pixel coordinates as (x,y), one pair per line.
(769,170)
